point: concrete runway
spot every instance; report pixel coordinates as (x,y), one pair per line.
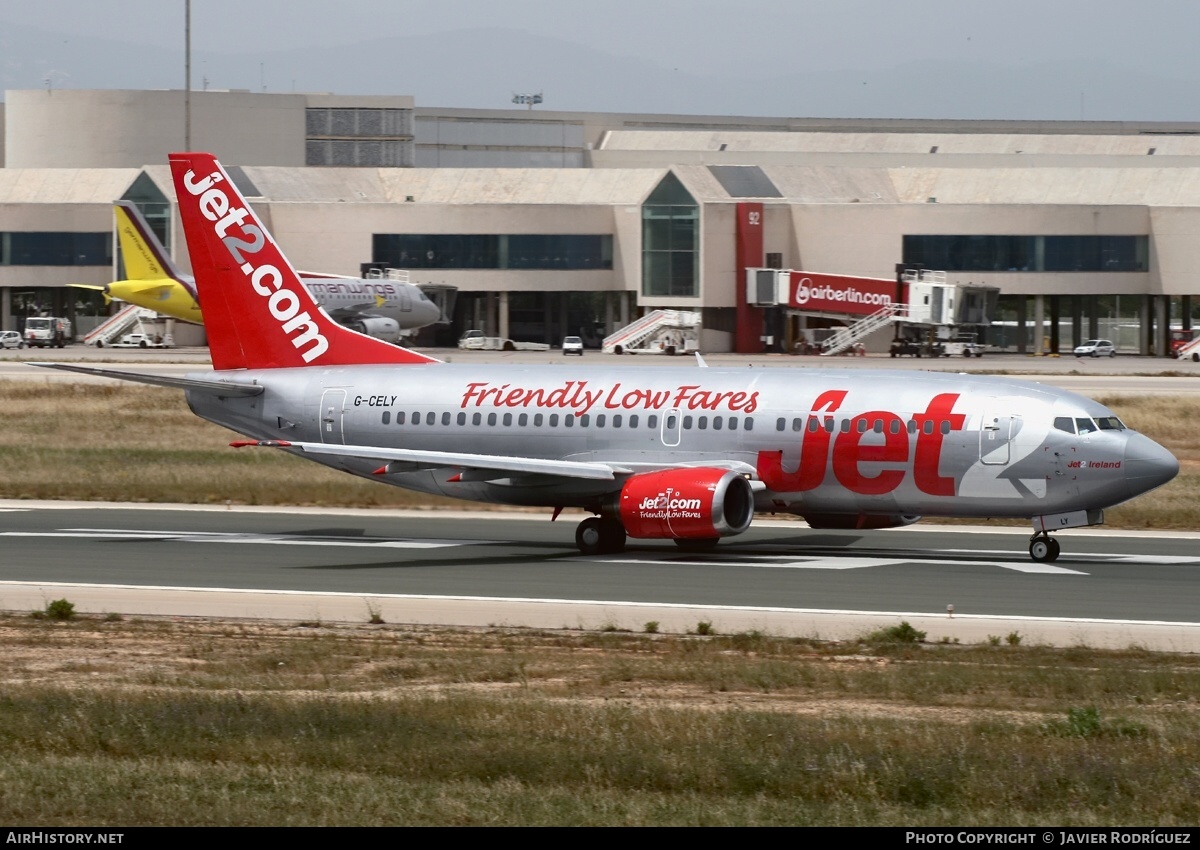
(1108,589)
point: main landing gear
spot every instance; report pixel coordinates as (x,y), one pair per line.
(1043,547)
(600,536)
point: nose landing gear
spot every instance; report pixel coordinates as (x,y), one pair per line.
(1043,547)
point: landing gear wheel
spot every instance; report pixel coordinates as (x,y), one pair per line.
(1043,547)
(697,544)
(596,536)
(612,536)
(588,536)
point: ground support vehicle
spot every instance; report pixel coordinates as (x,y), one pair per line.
(47,331)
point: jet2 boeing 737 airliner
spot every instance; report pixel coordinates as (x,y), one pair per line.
(687,454)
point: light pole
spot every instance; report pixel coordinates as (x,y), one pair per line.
(187,75)
(528,99)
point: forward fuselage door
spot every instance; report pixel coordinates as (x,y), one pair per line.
(671,424)
(995,434)
(333,405)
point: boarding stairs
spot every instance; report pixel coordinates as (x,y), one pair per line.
(118,324)
(844,337)
(1191,351)
(636,335)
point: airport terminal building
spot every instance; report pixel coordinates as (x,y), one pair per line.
(553,223)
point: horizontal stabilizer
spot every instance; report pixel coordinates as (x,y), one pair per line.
(224,389)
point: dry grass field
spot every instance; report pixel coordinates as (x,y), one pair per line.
(141,444)
(105,721)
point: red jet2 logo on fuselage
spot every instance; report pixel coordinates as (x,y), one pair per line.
(267,280)
(849,453)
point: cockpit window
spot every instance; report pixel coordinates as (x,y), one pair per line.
(1110,423)
(1064,423)
(1085,426)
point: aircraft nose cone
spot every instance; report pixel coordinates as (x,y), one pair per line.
(1147,465)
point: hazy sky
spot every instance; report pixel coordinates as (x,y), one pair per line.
(909,59)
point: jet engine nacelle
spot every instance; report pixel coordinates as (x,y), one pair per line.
(858,521)
(701,503)
(379,327)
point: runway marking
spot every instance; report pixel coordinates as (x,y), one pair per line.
(247,537)
(1102,557)
(781,562)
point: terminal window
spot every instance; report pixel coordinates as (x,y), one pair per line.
(29,248)
(972,253)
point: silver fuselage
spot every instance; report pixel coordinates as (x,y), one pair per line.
(819,441)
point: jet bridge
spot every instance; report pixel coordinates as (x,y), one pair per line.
(861,306)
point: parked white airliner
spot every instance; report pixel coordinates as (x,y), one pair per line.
(687,454)
(383,308)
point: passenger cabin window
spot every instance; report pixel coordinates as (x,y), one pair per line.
(400,418)
(446,418)
(387,417)
(462,418)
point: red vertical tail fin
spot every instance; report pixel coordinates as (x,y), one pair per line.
(257,313)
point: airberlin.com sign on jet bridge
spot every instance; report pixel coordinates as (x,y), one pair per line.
(836,293)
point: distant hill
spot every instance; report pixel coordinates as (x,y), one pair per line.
(483,67)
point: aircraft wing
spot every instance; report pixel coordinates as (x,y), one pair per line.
(224,389)
(352,311)
(467,462)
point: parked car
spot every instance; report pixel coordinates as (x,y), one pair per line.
(1096,348)
(905,348)
(11,339)
(136,340)
(572,345)
(963,348)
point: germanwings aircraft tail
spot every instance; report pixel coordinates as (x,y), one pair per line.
(258,313)
(141,250)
